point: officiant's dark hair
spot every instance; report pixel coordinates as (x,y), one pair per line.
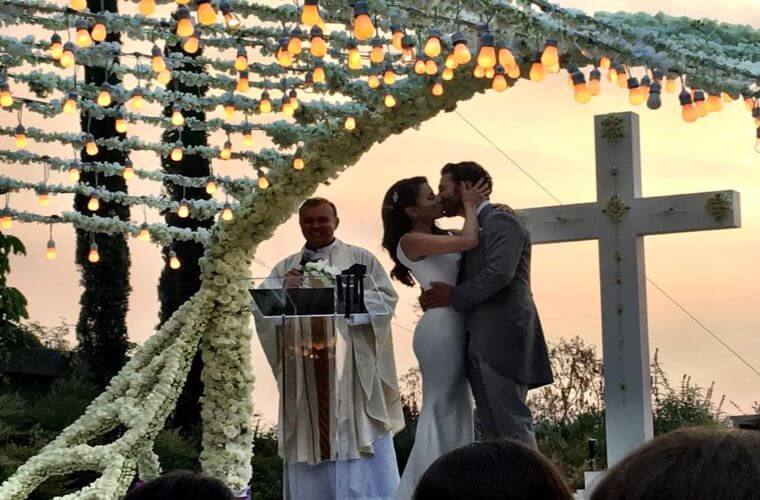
(315,202)
(688,463)
(506,470)
(467,171)
(396,223)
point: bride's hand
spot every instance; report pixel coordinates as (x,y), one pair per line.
(474,195)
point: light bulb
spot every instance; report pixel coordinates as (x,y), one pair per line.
(447,74)
(397,37)
(671,84)
(350,123)
(462,54)
(185,26)
(550,56)
(622,81)
(176,154)
(146,7)
(489,73)
(373,81)
(120,125)
(581,93)
(389,76)
(78,5)
(6,221)
(56,47)
(177,118)
(433,44)
(93,205)
(183,210)
(714,103)
(377,54)
(73,174)
(241,60)
(688,112)
(247,138)
(298,163)
(192,43)
(50,251)
(70,105)
(612,75)
(226,152)
(363,27)
(479,71)
(318,46)
(157,62)
(319,74)
(635,96)
(129,172)
(389,101)
(83,37)
(104,96)
(310,13)
(211,187)
(513,72)
(419,67)
(21,137)
(605,62)
(91,147)
(450,62)
(499,82)
(231,20)
(294,44)
(93,257)
(99,31)
(144,233)
(437,88)
(43,199)
(137,101)
(354,59)
(265,105)
(594,83)
(431,68)
(164,77)
(263,181)
(68,59)
(206,12)
(487,52)
(174,262)
(506,58)
(293,99)
(537,72)
(227,214)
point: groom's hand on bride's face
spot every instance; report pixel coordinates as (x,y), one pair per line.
(439,295)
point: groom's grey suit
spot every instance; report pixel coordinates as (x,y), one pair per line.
(506,352)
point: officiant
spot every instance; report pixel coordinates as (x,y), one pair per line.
(339,400)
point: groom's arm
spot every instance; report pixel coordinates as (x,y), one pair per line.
(503,241)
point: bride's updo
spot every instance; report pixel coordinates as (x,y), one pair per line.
(396,223)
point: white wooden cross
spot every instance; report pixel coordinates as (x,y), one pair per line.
(619,219)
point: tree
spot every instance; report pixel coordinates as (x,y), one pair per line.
(12,301)
(176,286)
(101,328)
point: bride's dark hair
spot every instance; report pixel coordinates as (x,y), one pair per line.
(396,223)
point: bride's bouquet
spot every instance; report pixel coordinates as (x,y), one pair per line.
(319,269)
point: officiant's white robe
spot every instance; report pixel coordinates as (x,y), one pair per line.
(366,406)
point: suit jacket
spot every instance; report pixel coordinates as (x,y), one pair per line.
(495,297)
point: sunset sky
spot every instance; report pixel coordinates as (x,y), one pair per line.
(714,275)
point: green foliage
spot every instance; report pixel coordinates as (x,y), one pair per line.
(266,480)
(12,302)
(178,451)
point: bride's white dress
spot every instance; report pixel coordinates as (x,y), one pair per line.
(445,420)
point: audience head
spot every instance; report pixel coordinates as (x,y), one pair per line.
(318,219)
(453,175)
(694,464)
(408,202)
(506,470)
(182,485)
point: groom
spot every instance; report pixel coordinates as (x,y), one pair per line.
(506,351)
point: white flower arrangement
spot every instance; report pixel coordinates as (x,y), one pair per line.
(319,269)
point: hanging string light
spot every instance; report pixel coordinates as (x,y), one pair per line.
(247,135)
(144,233)
(437,88)
(389,100)
(185,26)
(136,99)
(229,108)
(21,140)
(487,53)
(310,13)
(431,67)
(594,82)
(265,104)
(537,70)
(43,198)
(211,186)
(227,214)
(433,44)
(6,219)
(407,48)
(128,172)
(397,36)
(605,62)
(78,5)
(499,82)
(157,62)
(120,122)
(183,210)
(318,45)
(56,47)
(505,56)
(479,71)
(461,52)
(363,27)
(419,64)
(93,257)
(231,20)
(582,94)
(174,262)
(99,31)
(298,163)
(177,152)
(389,75)
(688,112)
(294,44)
(70,104)
(550,56)
(622,81)
(93,204)
(192,44)
(377,55)
(50,251)
(90,146)
(284,57)
(447,74)
(83,37)
(226,152)
(350,123)
(68,58)
(373,80)
(74,172)
(353,58)
(241,59)
(177,118)
(699,103)
(319,72)
(263,181)
(635,94)
(104,96)
(293,99)
(654,101)
(146,7)
(206,12)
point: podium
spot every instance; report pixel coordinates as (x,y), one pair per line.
(310,329)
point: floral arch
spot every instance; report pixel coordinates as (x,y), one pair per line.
(426,55)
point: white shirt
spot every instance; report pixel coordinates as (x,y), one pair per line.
(320,253)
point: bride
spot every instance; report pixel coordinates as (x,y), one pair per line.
(423,252)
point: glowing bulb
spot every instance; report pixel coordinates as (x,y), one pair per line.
(129,172)
(83,36)
(20,137)
(185,26)
(373,81)
(350,123)
(499,82)
(144,233)
(318,46)
(397,38)
(90,147)
(6,221)
(177,118)
(310,13)
(146,7)
(671,84)
(104,97)
(550,56)
(363,27)
(582,94)
(447,74)
(635,96)
(70,105)
(99,31)
(78,5)
(431,68)
(699,103)
(157,62)
(226,152)
(298,163)
(120,125)
(68,58)
(462,54)
(174,262)
(319,74)
(513,72)
(263,181)
(433,44)
(612,75)
(605,62)
(137,101)
(450,62)
(419,67)
(293,95)
(241,61)
(537,72)
(714,103)
(489,73)
(43,199)
(164,77)
(294,44)
(56,47)
(354,59)
(192,43)
(183,210)
(688,112)
(265,105)
(73,174)
(479,71)
(206,12)
(227,214)
(437,88)
(93,205)
(247,138)
(506,58)
(50,251)
(93,257)
(176,154)
(487,53)
(389,76)
(389,100)
(211,187)
(377,54)
(594,83)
